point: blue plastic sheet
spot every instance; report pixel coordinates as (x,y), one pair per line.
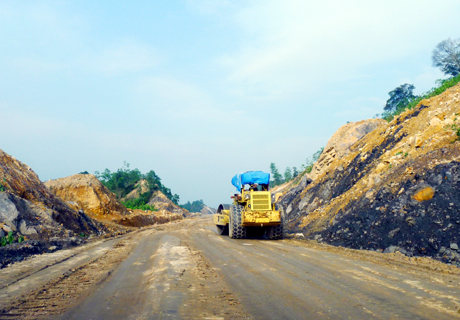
(250,177)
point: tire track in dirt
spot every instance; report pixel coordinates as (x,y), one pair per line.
(67,290)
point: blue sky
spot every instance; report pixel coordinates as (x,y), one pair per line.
(201,90)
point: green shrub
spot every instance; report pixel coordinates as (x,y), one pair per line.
(9,239)
(124,180)
(138,203)
(456,128)
(443,85)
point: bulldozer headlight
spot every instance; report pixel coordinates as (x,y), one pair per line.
(247,196)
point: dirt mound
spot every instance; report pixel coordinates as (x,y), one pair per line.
(86,192)
(27,207)
(397,189)
(140,218)
(166,206)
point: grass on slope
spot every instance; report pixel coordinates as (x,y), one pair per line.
(443,86)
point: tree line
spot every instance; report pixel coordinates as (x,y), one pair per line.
(195,206)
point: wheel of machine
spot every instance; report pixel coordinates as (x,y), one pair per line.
(222,230)
(275,232)
(237,231)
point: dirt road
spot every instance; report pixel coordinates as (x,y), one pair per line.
(184,270)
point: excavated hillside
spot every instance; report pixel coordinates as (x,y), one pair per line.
(86,192)
(29,211)
(395,189)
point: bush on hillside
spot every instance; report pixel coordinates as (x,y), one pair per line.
(125,180)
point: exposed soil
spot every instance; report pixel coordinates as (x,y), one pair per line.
(183,269)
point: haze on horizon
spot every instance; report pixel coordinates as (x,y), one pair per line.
(199,90)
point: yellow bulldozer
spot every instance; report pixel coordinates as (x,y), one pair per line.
(252,213)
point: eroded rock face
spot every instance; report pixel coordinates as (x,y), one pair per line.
(27,219)
(208,210)
(27,206)
(341,141)
(397,187)
(164,205)
(85,191)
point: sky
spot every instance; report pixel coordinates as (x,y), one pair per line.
(199,90)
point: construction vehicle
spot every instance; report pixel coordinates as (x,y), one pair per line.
(252,213)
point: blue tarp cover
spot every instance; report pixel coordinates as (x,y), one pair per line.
(250,177)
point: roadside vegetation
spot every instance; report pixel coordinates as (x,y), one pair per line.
(125,180)
(10,239)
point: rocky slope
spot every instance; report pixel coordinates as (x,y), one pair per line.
(397,188)
(28,207)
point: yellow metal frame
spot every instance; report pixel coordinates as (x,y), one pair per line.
(221,219)
(264,216)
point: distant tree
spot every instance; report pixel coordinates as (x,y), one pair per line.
(309,162)
(277,178)
(195,206)
(288,174)
(446,56)
(175,199)
(399,98)
(295,173)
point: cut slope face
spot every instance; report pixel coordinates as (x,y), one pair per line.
(85,191)
(27,206)
(398,188)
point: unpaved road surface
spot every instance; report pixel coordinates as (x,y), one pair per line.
(184,270)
